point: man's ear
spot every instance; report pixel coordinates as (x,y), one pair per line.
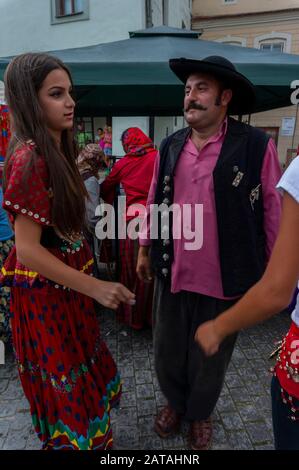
(226,97)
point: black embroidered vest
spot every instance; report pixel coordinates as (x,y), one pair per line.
(238,200)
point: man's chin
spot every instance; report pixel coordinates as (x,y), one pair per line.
(191,119)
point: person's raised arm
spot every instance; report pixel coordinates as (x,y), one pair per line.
(270,295)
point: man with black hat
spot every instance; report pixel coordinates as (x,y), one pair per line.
(231,169)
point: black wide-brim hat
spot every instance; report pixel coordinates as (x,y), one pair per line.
(243,99)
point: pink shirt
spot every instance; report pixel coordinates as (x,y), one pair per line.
(199,270)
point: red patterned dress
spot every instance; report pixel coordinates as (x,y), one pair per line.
(66,370)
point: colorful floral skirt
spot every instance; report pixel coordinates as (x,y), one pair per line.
(66,370)
(5,331)
(139,315)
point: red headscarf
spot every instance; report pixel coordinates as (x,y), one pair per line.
(136,143)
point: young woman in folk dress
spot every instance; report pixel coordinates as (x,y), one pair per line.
(66,370)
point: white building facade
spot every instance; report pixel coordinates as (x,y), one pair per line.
(44,25)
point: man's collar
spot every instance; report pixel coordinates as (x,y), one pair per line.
(212,139)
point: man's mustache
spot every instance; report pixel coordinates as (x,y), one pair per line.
(195,106)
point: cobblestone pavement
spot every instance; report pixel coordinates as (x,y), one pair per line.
(242,418)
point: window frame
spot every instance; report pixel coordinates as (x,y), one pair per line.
(229,39)
(271,44)
(272,38)
(61,5)
(57,18)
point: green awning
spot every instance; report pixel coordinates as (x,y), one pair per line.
(132,77)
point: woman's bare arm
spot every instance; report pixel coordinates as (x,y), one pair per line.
(271,294)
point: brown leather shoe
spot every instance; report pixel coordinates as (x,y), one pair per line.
(167,422)
(200,434)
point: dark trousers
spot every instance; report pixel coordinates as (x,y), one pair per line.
(190,381)
(286,431)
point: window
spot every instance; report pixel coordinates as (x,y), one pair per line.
(68,7)
(272,46)
(233,43)
(232,40)
(64,11)
(279,42)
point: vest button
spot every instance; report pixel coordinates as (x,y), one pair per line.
(166,242)
(166,189)
(166,179)
(165,271)
(165,257)
(166,201)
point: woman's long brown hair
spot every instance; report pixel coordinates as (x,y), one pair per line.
(23,79)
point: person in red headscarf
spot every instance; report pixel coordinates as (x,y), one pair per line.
(134,172)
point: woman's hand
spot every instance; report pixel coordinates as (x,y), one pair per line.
(111,294)
(208,337)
